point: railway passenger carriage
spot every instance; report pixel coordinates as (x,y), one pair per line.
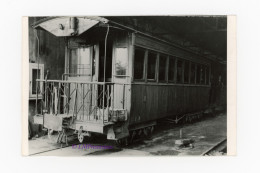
(118,81)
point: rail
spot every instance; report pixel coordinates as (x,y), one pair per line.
(219,147)
(84,101)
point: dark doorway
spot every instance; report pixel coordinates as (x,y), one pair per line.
(109,50)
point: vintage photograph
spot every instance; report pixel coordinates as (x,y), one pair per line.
(127,86)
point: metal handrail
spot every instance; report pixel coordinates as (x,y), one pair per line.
(79,82)
(93,100)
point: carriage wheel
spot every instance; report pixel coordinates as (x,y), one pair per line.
(152,129)
(132,136)
(145,130)
(80,137)
(149,131)
(122,142)
(118,142)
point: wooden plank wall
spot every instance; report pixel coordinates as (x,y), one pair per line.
(52,53)
(153,100)
(52,50)
(150,102)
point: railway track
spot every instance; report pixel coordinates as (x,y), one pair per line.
(64,145)
(58,148)
(218,149)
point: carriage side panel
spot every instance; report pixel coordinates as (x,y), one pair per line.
(151,102)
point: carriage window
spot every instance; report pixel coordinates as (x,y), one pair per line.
(84,61)
(139,64)
(162,67)
(179,71)
(202,70)
(207,75)
(192,73)
(198,74)
(121,61)
(151,65)
(73,61)
(80,61)
(171,69)
(186,71)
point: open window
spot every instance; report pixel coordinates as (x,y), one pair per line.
(186,71)
(192,73)
(198,74)
(151,66)
(139,61)
(203,74)
(179,71)
(162,68)
(171,71)
(207,75)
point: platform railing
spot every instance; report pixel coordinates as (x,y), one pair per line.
(84,101)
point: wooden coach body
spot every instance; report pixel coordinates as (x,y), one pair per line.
(151,78)
(157,98)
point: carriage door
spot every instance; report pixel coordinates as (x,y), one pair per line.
(120,77)
(80,69)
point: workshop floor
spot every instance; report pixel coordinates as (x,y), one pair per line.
(205,133)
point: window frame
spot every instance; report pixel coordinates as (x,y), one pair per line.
(203,70)
(207,74)
(166,67)
(184,72)
(195,71)
(33,66)
(174,69)
(198,80)
(144,64)
(127,63)
(80,71)
(156,66)
(175,59)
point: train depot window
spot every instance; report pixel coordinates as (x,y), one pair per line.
(186,71)
(198,74)
(192,73)
(171,69)
(162,68)
(121,61)
(139,63)
(179,71)
(151,65)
